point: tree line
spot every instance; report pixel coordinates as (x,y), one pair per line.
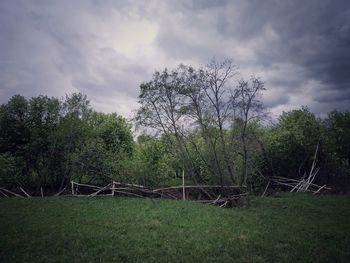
(204,121)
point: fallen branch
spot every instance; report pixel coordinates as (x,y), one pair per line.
(199,186)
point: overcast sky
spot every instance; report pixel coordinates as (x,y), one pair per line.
(105,49)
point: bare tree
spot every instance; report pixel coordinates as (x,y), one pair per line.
(248,107)
(217,91)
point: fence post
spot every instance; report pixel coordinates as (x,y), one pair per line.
(72,183)
(183,185)
(113,188)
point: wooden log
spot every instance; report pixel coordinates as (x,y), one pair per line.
(131,185)
(201,186)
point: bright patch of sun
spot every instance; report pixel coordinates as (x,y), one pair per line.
(133,36)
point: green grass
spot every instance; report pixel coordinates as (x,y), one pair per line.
(284,228)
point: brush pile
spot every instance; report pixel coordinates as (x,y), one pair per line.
(223,196)
(302,185)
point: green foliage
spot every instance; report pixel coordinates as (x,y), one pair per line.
(281,228)
(47,142)
(153,163)
(292,143)
(336,137)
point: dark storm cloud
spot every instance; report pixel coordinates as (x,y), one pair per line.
(312,35)
(105,49)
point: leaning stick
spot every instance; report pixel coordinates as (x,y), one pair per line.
(224,204)
(41,191)
(267,186)
(296,186)
(217,199)
(102,189)
(4,193)
(24,192)
(60,192)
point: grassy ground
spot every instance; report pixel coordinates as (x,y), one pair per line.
(285,228)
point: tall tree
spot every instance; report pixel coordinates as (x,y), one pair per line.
(247,107)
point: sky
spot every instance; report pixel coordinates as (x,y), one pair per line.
(106,49)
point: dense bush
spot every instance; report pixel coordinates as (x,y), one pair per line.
(46,142)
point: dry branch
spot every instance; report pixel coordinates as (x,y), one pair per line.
(24,192)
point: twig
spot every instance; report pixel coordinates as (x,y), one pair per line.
(267,186)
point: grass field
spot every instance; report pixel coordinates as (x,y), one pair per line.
(284,228)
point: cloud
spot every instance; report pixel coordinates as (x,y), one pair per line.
(105,49)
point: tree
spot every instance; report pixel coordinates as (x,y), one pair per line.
(188,102)
(162,110)
(293,141)
(247,107)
